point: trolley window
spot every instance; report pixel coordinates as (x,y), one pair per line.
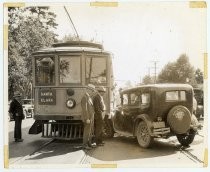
(96,71)
(70,70)
(45,70)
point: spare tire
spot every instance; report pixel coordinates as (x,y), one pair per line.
(179,119)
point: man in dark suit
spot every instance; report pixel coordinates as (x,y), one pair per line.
(99,108)
(88,119)
(17,111)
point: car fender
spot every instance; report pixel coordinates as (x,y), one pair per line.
(194,123)
(145,118)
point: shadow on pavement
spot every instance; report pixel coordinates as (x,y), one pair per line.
(29,144)
(118,148)
(126,148)
(56,149)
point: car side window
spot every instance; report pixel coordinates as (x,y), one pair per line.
(125,99)
(145,98)
(175,96)
(135,99)
(182,95)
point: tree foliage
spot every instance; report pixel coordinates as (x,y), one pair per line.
(29,29)
(180,71)
(147,80)
(70,37)
(199,76)
(73,37)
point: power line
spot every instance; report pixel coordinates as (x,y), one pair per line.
(72,23)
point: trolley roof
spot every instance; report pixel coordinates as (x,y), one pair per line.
(73,46)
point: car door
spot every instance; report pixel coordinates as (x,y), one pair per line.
(119,118)
(131,111)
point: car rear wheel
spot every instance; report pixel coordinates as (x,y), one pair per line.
(143,136)
(187,138)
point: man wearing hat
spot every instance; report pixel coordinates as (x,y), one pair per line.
(88,116)
(99,108)
(17,111)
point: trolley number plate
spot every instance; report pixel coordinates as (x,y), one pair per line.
(47,97)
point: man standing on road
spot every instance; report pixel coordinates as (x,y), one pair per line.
(17,111)
(88,117)
(99,108)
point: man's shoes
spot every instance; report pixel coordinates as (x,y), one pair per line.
(18,140)
(93,145)
(100,144)
(87,147)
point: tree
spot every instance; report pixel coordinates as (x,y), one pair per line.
(73,37)
(30,28)
(128,84)
(180,71)
(70,37)
(147,80)
(199,76)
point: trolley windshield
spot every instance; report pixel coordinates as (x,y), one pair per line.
(69,70)
(45,70)
(96,70)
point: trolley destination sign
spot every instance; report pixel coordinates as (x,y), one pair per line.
(47,97)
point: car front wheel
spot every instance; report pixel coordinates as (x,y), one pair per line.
(108,128)
(143,136)
(187,138)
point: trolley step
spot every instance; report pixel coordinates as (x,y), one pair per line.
(66,131)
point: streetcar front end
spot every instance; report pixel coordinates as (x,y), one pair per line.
(61,77)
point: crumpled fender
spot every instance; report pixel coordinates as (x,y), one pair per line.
(147,119)
(194,123)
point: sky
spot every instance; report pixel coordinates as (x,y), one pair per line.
(139,33)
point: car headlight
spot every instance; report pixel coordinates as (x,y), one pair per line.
(70,103)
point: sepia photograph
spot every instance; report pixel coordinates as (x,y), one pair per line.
(95,84)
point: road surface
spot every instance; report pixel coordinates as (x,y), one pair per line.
(119,151)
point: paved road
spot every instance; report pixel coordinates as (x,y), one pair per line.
(123,151)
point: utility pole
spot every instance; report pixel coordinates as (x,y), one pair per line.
(148,71)
(155,68)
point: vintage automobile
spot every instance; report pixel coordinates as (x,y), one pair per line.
(10,116)
(28,108)
(198,93)
(156,111)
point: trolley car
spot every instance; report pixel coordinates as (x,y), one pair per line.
(61,76)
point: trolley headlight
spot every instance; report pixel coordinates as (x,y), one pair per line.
(70,103)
